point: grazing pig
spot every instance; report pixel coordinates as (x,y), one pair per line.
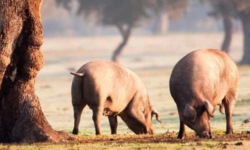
(200,81)
(112,90)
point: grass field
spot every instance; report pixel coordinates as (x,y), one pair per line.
(152,58)
(141,142)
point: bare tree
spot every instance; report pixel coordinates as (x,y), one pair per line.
(21,58)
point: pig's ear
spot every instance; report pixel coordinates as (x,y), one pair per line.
(189,112)
(77,74)
(209,108)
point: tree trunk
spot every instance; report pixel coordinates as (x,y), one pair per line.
(245,20)
(125,32)
(228,30)
(162,23)
(21,36)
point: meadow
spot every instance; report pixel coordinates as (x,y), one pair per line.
(152,58)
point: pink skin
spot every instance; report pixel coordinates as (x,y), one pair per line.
(200,81)
(112,90)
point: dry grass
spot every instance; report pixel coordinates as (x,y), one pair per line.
(160,141)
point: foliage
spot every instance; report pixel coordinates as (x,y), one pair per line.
(126,14)
(241,5)
(113,12)
(175,9)
(220,8)
(64,3)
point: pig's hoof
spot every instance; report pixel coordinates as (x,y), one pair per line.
(230,132)
(75,131)
(206,135)
(180,136)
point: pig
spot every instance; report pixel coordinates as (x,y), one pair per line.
(200,81)
(110,89)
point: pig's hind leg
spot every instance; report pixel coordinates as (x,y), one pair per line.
(97,115)
(229,102)
(113,124)
(77,117)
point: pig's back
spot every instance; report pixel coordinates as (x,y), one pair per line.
(204,75)
(111,84)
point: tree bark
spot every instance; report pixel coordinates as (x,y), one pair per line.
(228,30)
(245,20)
(21,58)
(125,32)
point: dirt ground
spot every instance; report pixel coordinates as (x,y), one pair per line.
(152,58)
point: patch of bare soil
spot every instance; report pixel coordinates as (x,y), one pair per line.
(169,137)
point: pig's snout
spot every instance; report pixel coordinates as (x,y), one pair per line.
(206,134)
(150,131)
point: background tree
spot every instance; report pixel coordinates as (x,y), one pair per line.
(65,3)
(242,8)
(169,10)
(223,9)
(21,58)
(125,15)
(229,9)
